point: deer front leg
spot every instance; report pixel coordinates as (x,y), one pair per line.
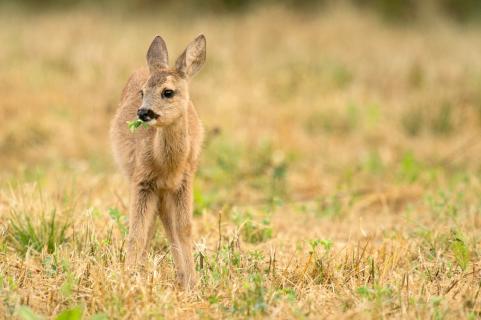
(176,217)
(144,206)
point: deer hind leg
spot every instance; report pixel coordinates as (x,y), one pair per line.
(176,216)
(144,207)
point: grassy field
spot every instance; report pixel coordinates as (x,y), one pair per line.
(340,177)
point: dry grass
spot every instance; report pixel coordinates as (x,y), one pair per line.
(341,177)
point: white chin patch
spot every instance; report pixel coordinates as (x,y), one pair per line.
(152,122)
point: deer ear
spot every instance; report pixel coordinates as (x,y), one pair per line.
(157,56)
(193,57)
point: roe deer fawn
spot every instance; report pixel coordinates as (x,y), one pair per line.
(160,161)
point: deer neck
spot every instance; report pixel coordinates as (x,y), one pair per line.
(171,145)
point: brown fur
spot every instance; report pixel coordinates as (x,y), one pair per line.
(160,161)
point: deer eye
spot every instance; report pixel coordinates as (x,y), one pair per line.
(141,93)
(167,93)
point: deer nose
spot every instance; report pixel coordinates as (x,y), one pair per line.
(145,114)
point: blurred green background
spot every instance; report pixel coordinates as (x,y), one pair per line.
(392,10)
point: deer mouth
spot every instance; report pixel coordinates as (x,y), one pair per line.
(151,120)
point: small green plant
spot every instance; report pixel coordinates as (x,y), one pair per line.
(251,300)
(377,294)
(253,231)
(287,293)
(409,168)
(325,243)
(117,216)
(436,303)
(52,266)
(319,270)
(135,124)
(446,204)
(204,198)
(25,313)
(48,233)
(68,285)
(100,316)
(70,314)
(460,250)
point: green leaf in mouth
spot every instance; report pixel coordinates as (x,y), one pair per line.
(134,124)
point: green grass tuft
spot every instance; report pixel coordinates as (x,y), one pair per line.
(46,234)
